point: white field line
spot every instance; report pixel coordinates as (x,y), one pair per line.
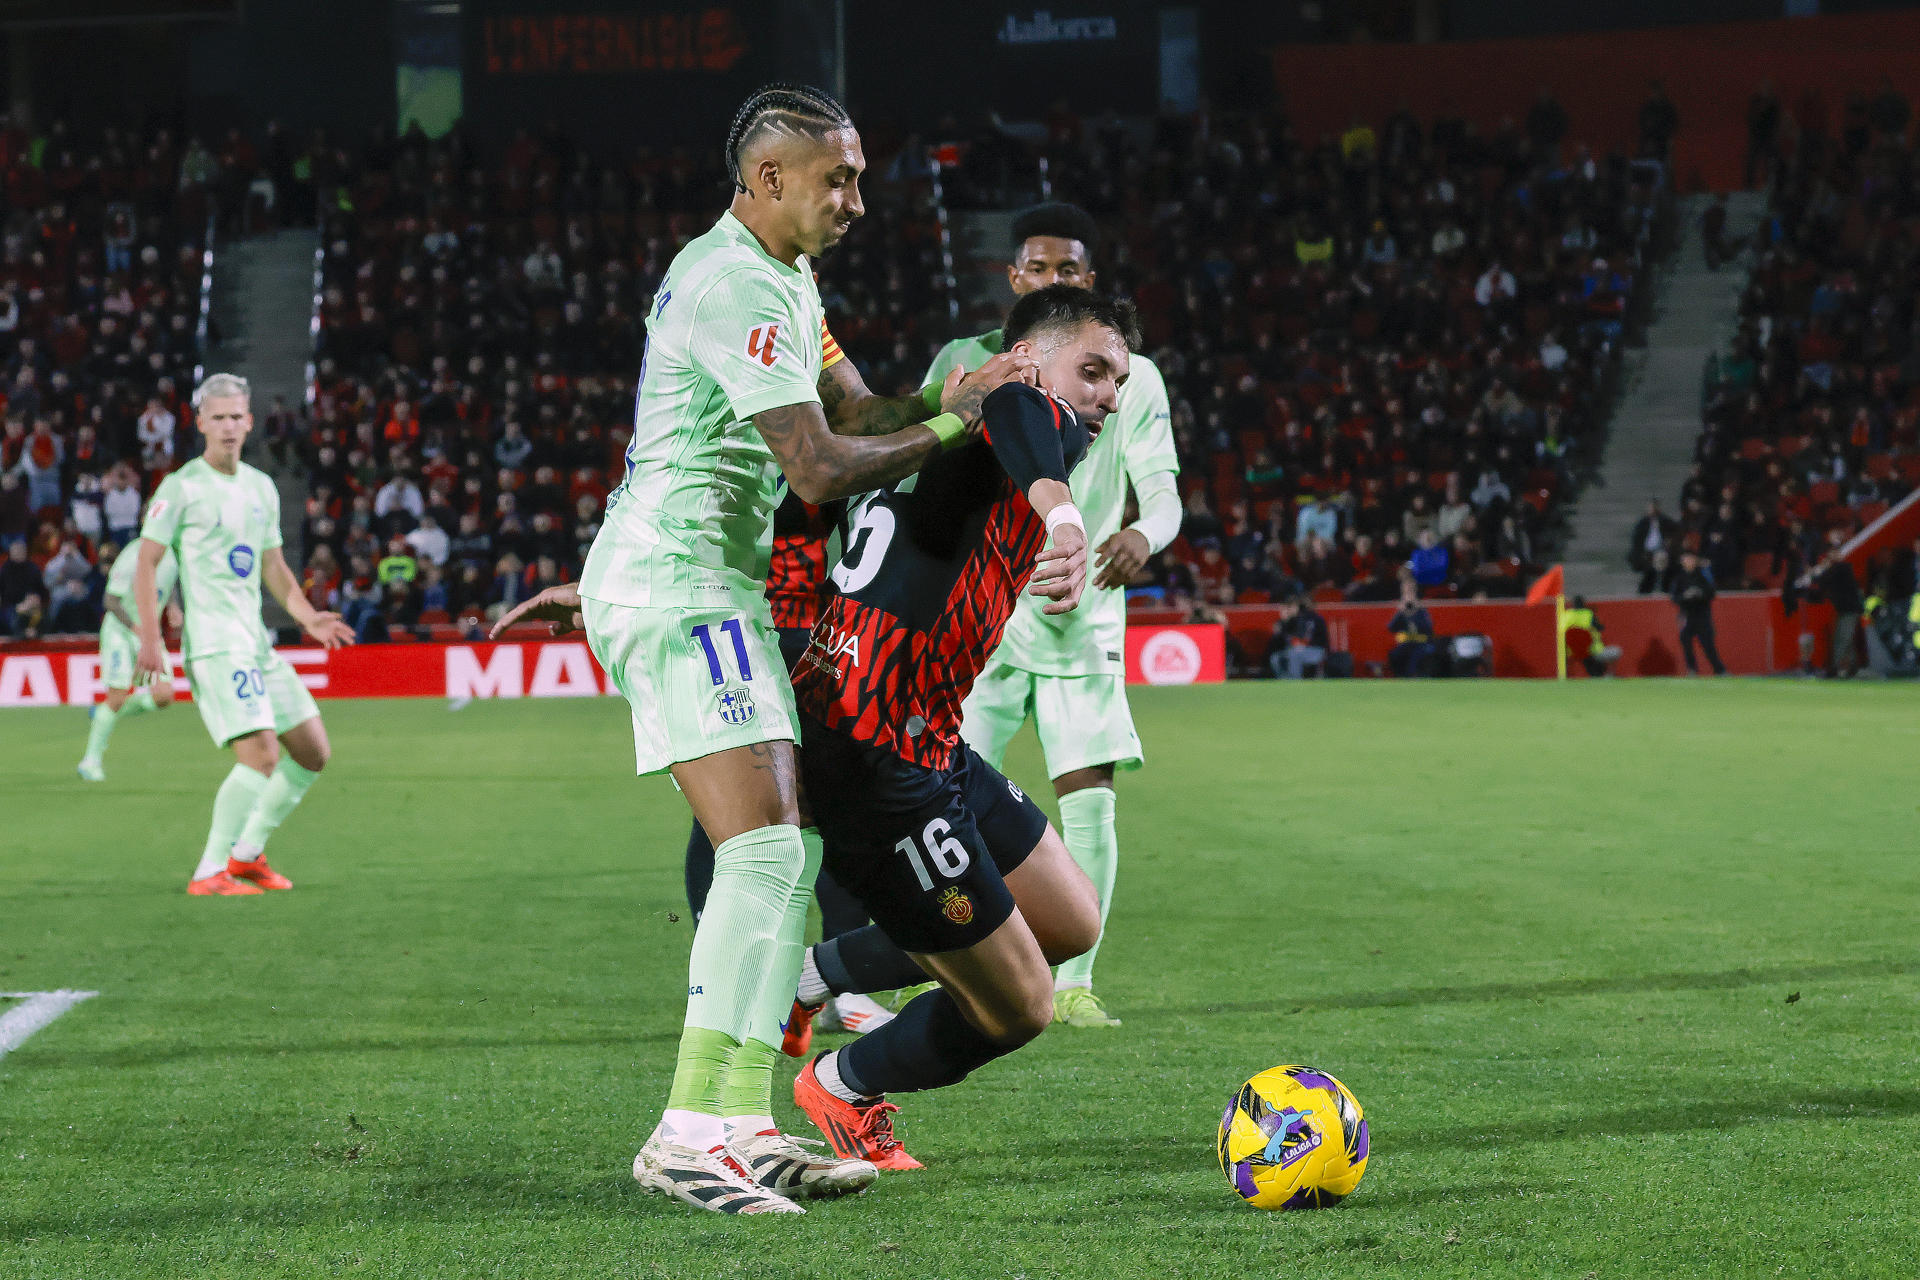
(40,1008)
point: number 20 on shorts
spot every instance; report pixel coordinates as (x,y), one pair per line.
(248,684)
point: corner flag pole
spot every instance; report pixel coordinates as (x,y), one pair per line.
(1554,582)
(1560,635)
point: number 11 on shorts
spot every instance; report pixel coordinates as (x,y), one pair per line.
(703,636)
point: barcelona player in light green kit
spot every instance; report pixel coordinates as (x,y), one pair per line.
(1068,671)
(672,598)
(220,519)
(119,648)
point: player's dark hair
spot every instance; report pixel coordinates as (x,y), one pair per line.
(799,107)
(1061,221)
(1066,306)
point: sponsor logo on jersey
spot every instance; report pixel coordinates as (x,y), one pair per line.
(956,906)
(760,344)
(156,508)
(1018,794)
(734,704)
(844,645)
(240,560)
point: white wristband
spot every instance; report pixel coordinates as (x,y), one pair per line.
(1065,513)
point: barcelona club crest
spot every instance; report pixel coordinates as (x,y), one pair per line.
(735,705)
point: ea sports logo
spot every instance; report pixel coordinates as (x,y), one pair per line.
(1171,657)
(240,560)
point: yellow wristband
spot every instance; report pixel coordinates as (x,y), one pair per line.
(949,428)
(930,397)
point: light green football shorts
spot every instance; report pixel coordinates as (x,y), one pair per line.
(119,648)
(698,679)
(1083,720)
(242,693)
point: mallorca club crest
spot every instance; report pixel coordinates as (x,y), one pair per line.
(734,704)
(956,906)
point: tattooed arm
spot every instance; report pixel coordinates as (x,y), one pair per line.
(821,466)
(852,409)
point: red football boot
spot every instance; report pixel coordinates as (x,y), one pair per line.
(258,872)
(797,1036)
(854,1130)
(220,885)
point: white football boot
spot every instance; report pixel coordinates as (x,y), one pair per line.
(713,1180)
(786,1165)
(856,1014)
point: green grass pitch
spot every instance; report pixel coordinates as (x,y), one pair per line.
(1552,937)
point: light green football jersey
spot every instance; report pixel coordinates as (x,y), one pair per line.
(733,332)
(120,579)
(1135,442)
(220,527)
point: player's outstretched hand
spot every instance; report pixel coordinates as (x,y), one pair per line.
(1060,571)
(151,664)
(559,606)
(330,630)
(1120,557)
(963,393)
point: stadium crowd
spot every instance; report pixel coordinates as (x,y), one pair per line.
(1383,350)
(100,301)
(1811,419)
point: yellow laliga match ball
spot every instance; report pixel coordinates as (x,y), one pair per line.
(1293,1138)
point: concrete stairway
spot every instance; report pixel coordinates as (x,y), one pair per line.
(1650,444)
(263,306)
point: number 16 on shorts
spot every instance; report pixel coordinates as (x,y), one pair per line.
(949,856)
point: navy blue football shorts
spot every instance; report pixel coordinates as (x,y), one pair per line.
(924,849)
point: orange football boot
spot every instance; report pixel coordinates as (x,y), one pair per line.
(855,1131)
(220,885)
(797,1036)
(258,872)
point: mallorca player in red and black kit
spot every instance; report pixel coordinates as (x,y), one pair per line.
(959,869)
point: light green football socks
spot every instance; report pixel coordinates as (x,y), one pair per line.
(285,790)
(1086,820)
(231,805)
(139,702)
(738,948)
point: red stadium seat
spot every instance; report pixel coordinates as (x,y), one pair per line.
(1824,494)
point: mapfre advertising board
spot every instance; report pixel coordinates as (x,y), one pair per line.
(540,669)
(55,677)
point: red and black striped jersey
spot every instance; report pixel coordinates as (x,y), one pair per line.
(931,572)
(798,571)
(797,574)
